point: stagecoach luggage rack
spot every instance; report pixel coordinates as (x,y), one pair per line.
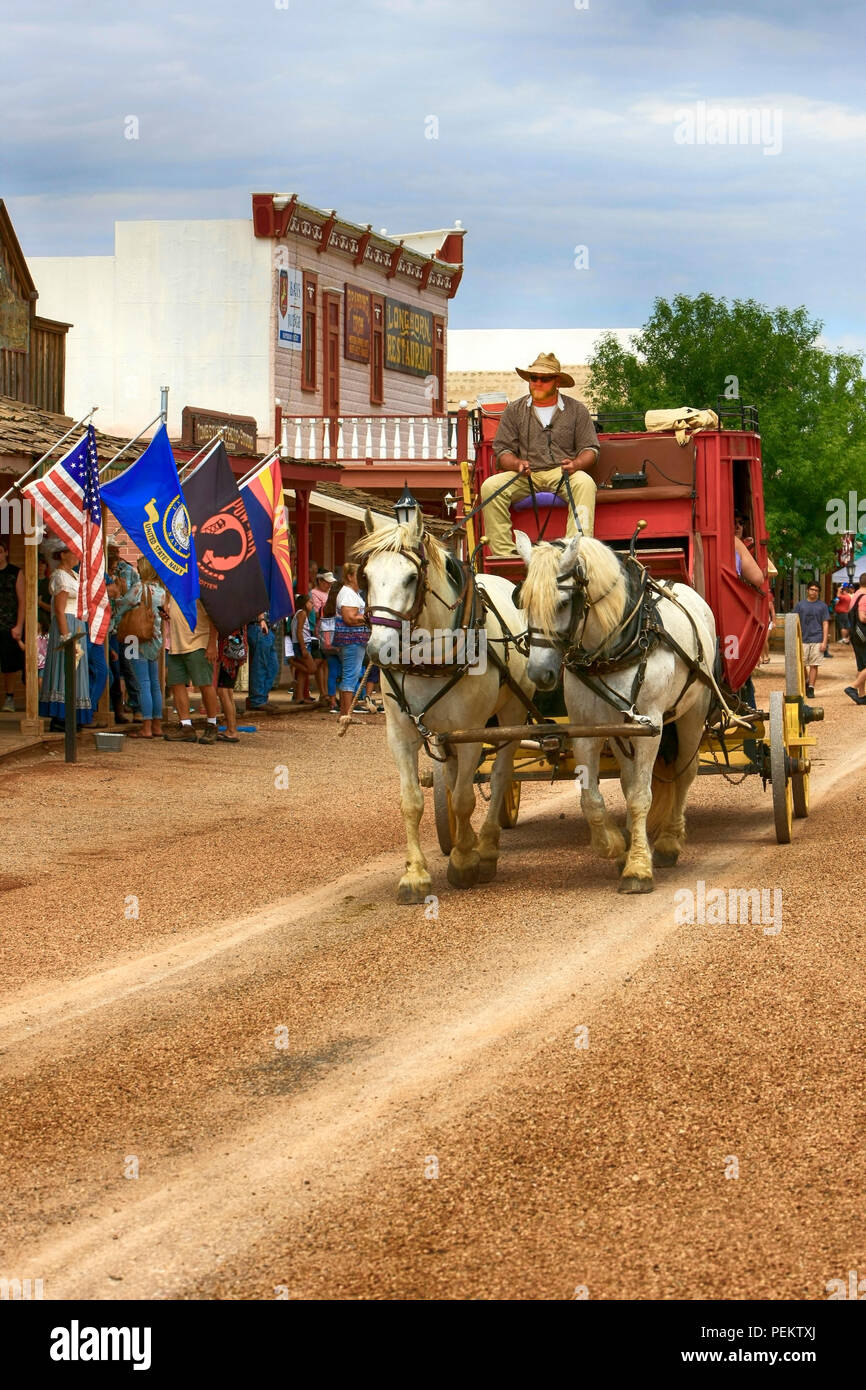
(733,415)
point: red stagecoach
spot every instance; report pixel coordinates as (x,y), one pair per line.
(688,500)
(680,501)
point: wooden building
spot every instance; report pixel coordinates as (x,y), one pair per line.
(32,349)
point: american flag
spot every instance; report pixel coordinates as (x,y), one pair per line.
(68,498)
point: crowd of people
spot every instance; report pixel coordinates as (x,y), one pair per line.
(326,644)
(848,611)
(851,619)
(323,646)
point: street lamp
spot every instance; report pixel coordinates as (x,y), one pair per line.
(404,507)
(450,502)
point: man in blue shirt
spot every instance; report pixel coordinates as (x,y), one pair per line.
(815,624)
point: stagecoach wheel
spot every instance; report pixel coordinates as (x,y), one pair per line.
(783,809)
(510,806)
(443,814)
(800,794)
(795,690)
(795,673)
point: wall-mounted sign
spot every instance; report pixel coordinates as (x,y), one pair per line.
(408,339)
(356,322)
(290,294)
(198,427)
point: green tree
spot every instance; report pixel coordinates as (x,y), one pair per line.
(811,401)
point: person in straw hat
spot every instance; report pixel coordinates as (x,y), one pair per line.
(548,435)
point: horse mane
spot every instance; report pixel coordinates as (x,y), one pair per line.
(538,592)
(603,570)
(397,538)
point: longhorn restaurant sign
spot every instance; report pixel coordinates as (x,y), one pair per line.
(408,339)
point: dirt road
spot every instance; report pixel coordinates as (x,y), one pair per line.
(232,1067)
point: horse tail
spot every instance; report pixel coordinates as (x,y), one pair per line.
(663,789)
(664,780)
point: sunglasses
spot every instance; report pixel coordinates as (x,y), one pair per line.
(542,378)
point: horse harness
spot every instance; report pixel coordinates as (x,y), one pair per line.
(631,643)
(469,612)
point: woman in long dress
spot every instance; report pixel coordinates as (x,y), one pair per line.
(146,663)
(63,588)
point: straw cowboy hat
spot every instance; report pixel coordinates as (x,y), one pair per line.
(545,364)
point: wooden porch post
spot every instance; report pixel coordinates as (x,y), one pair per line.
(302,515)
(31,723)
(462,435)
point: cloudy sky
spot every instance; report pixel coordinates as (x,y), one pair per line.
(559,124)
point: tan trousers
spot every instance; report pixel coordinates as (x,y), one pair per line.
(497,514)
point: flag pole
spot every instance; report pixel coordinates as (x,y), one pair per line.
(257,467)
(19,482)
(122,451)
(205,449)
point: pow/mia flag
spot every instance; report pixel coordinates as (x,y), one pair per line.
(230,576)
(148,502)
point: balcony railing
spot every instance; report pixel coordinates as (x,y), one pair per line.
(373,438)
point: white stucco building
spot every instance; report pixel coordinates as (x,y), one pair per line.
(294,306)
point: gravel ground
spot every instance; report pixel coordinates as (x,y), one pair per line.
(324,1093)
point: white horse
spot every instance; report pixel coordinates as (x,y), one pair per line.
(415,592)
(577,600)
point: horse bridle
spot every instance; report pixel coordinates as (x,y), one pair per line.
(400,616)
(420,560)
(580,607)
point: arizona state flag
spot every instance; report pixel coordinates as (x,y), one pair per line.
(266,509)
(229,574)
(149,504)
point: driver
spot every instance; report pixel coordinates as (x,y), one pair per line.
(548,435)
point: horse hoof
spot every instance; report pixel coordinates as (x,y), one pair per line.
(409,894)
(665,858)
(465,877)
(635,885)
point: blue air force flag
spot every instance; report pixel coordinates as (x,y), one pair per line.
(149,504)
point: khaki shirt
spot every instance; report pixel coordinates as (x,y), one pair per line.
(522,433)
(182,639)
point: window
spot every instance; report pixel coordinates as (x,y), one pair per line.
(377,353)
(310,331)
